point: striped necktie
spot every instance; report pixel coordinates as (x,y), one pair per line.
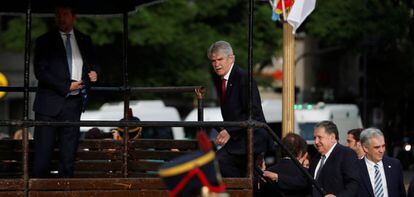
(378,190)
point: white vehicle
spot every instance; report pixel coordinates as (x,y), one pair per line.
(145,110)
(272,110)
(345,116)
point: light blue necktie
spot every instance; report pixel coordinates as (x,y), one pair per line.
(69,58)
(69,53)
(378,190)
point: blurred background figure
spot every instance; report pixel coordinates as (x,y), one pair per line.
(352,141)
(18,135)
(96,133)
(285,178)
(410,192)
(4,136)
(133,132)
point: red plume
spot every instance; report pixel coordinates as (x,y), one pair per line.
(203,141)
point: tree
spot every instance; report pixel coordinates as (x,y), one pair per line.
(379,31)
(168,41)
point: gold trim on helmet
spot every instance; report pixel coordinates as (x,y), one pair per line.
(185,167)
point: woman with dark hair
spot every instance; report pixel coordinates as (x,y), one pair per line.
(285,178)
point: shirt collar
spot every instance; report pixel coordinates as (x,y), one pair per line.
(330,151)
(64,33)
(371,163)
(226,77)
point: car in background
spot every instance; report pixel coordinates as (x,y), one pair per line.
(345,116)
(145,110)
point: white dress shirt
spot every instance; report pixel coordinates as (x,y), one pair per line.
(227,76)
(77,62)
(371,172)
(326,159)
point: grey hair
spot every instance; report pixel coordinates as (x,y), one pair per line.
(221,47)
(368,134)
(330,128)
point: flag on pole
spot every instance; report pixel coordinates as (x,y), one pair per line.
(300,10)
(277,7)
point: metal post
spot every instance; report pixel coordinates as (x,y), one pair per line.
(126,92)
(288,80)
(250,130)
(25,142)
(200,92)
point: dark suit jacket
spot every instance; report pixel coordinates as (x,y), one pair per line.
(410,192)
(339,175)
(52,71)
(291,181)
(235,108)
(393,174)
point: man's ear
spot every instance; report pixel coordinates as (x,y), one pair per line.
(332,137)
(364,148)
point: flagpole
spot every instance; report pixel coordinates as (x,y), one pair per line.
(288,84)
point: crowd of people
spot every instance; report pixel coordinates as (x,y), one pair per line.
(65,66)
(339,170)
(358,169)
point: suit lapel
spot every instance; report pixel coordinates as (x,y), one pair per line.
(365,176)
(80,42)
(312,166)
(387,170)
(231,81)
(330,159)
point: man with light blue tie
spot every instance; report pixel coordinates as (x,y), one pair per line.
(381,176)
(64,64)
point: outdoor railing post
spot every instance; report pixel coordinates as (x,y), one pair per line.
(250,130)
(25,141)
(126,92)
(200,92)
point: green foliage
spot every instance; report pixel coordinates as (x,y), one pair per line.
(14,38)
(355,22)
(168,41)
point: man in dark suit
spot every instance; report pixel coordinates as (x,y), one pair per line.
(335,167)
(381,176)
(285,178)
(232,88)
(64,66)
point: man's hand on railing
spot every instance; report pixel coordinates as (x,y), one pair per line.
(222,137)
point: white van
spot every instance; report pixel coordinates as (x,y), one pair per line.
(345,116)
(272,110)
(145,110)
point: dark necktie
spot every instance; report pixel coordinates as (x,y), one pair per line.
(320,167)
(69,53)
(223,90)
